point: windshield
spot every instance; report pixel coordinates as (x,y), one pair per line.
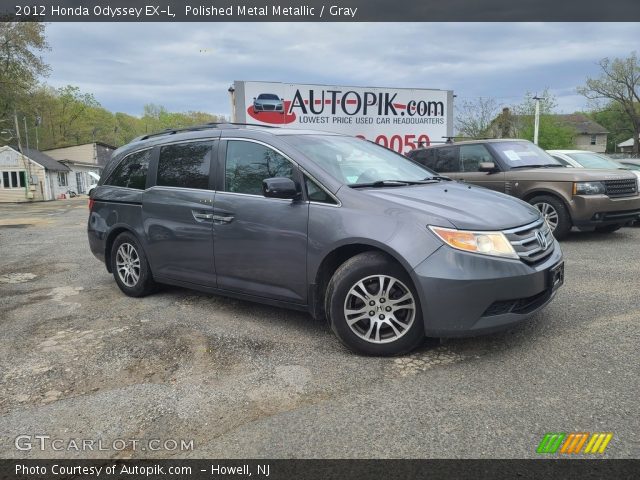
(523,154)
(268,96)
(354,161)
(593,160)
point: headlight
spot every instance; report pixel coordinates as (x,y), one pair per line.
(485,243)
(588,188)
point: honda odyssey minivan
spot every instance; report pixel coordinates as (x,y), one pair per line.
(384,248)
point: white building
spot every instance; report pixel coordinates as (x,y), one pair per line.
(82,159)
(33,176)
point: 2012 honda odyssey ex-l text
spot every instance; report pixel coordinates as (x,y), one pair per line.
(388,251)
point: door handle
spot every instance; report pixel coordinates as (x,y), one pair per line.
(223,218)
(202,216)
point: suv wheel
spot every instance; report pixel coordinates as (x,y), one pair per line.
(608,228)
(130,267)
(555,213)
(373,307)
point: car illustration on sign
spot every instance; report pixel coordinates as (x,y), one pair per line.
(268,102)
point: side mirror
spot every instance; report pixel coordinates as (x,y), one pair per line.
(254,98)
(279,187)
(487,167)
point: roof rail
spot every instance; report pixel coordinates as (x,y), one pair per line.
(195,128)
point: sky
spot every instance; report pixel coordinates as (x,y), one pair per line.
(190,66)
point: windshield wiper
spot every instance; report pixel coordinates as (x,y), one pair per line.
(546,165)
(438,177)
(399,183)
(381,183)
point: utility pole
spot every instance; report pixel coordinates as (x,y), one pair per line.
(26,162)
(536,124)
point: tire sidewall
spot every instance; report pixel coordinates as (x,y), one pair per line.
(348,275)
(145,280)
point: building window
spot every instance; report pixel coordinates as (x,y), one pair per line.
(62,179)
(594,139)
(14,180)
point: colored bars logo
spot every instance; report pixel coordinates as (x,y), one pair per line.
(574,443)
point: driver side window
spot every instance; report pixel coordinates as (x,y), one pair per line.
(249,163)
(471,156)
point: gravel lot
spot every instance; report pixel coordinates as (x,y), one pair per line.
(79,360)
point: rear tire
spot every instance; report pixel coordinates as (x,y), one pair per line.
(555,213)
(385,318)
(608,228)
(130,266)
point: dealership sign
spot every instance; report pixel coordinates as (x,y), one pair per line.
(398,118)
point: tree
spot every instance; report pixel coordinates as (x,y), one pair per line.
(619,82)
(614,119)
(474,117)
(518,122)
(20,62)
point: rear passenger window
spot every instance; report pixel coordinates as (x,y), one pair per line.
(472,155)
(249,163)
(447,160)
(185,165)
(132,171)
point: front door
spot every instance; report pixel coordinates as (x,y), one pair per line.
(178,214)
(260,243)
(470,158)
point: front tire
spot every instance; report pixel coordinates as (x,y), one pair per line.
(373,307)
(555,213)
(130,266)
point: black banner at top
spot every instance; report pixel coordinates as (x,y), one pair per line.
(319,10)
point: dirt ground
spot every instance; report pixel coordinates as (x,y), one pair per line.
(81,361)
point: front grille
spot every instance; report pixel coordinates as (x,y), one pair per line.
(621,188)
(526,243)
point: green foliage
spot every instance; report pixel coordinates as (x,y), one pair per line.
(615,120)
(20,63)
(552,135)
(518,122)
(72,117)
(620,83)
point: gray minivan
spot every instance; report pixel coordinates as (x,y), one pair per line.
(384,248)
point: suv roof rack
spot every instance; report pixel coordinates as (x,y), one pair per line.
(195,128)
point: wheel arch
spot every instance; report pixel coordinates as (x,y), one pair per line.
(111,237)
(336,257)
(538,192)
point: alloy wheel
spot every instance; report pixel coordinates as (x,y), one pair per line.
(549,213)
(128,264)
(379,309)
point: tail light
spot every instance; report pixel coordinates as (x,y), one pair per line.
(91,202)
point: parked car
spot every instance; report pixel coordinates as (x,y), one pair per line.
(95,177)
(343,228)
(587,159)
(268,102)
(630,163)
(588,199)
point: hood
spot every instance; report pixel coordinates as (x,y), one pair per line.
(568,174)
(465,206)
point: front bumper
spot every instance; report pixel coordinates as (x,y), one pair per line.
(464,294)
(596,210)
